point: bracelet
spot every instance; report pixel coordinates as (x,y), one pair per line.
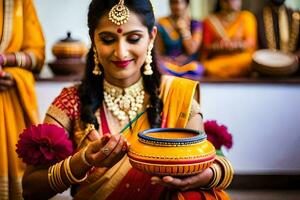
(18,57)
(55,179)
(4,59)
(185,34)
(24,60)
(89,127)
(69,173)
(32,59)
(83,157)
(227,170)
(217,174)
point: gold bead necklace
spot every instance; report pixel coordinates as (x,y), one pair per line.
(124,102)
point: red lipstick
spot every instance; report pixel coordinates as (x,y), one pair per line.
(122,64)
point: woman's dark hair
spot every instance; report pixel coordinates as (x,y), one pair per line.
(186,1)
(218,7)
(91,88)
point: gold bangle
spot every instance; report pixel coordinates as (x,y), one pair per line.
(60,183)
(83,157)
(18,59)
(215,179)
(32,59)
(73,179)
(227,172)
(23,58)
(67,174)
(50,178)
(55,179)
(87,130)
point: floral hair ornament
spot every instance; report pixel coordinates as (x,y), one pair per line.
(44,144)
(119,14)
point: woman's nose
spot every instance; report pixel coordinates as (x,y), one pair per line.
(121,51)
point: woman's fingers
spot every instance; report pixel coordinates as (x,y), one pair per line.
(179,183)
(107,150)
(6,79)
(96,145)
(117,154)
(93,135)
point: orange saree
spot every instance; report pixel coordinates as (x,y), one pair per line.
(231,64)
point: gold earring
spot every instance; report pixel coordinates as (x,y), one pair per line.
(148,70)
(97,70)
(119,14)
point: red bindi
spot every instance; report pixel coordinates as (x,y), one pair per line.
(119,30)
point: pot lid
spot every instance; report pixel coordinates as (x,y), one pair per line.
(69,38)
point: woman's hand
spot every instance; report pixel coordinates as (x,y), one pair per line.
(6,81)
(106,151)
(184,183)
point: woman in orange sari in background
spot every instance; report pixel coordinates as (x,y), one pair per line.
(121,94)
(21,52)
(229,39)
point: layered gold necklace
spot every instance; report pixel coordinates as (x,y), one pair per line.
(288,36)
(124,103)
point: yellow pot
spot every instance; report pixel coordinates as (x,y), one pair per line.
(176,152)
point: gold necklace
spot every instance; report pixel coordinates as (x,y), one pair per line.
(124,102)
(288,37)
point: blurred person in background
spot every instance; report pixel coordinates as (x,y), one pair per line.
(229,39)
(278,28)
(22,49)
(178,42)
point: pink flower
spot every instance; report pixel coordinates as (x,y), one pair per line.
(218,135)
(43,144)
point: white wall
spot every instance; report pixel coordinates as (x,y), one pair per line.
(264,120)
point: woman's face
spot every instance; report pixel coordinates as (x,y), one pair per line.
(122,49)
(178,7)
(231,5)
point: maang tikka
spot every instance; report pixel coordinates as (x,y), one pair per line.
(119,14)
(97,70)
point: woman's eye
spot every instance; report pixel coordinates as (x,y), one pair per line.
(107,40)
(134,38)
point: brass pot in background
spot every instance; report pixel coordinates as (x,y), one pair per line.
(70,57)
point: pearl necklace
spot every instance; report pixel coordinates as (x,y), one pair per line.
(125,102)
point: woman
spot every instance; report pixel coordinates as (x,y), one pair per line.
(21,52)
(122,92)
(178,42)
(229,39)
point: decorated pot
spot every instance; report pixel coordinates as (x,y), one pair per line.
(171,151)
(69,48)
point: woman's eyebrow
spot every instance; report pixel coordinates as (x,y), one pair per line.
(125,33)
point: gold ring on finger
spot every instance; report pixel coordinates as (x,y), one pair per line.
(105,150)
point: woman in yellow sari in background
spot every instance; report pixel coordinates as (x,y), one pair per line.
(229,39)
(121,94)
(21,51)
